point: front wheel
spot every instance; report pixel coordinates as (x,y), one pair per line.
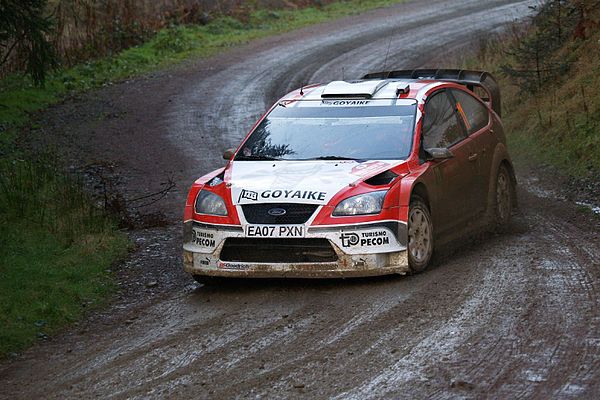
(420,235)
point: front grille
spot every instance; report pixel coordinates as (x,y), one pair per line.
(294,213)
(278,250)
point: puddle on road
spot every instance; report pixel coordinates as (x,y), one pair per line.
(593,208)
(532,186)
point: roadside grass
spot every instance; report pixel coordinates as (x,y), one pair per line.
(588,211)
(19,97)
(56,251)
(559,125)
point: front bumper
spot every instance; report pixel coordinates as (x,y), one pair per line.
(355,250)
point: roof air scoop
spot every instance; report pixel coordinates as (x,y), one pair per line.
(360,89)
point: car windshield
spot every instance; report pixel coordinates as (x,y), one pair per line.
(329,130)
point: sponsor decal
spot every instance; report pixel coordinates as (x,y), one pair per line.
(349,239)
(232,266)
(293,194)
(216,181)
(463,115)
(365,239)
(275,230)
(283,194)
(345,102)
(203,238)
(205,262)
(368,168)
(248,194)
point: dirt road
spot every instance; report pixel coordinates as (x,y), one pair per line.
(508,316)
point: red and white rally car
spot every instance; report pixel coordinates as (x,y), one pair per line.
(354,179)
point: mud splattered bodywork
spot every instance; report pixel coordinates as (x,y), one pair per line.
(324,183)
(344,251)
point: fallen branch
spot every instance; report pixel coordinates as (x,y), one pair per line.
(154,197)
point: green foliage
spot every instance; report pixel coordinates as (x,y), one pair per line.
(555,120)
(33,191)
(45,284)
(534,58)
(175,39)
(23,30)
(56,249)
(224,25)
(19,96)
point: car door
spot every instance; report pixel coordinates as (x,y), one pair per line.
(476,119)
(454,177)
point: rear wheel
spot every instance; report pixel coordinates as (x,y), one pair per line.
(502,198)
(420,235)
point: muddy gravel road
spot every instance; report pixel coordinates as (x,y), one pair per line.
(505,316)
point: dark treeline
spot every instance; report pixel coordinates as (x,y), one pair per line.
(37,34)
(537,56)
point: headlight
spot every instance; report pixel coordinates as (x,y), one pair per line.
(363,204)
(210,203)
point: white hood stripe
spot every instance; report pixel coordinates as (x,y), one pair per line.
(308,182)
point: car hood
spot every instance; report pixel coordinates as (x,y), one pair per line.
(309,182)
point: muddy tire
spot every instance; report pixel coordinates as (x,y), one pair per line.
(420,235)
(502,199)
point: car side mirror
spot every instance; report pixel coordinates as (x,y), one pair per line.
(228,154)
(439,153)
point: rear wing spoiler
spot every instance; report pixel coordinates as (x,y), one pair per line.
(468,78)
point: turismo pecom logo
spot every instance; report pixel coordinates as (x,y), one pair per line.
(370,238)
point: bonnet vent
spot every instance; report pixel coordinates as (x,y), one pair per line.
(384,178)
(358,89)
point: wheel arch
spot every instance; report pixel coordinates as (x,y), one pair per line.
(420,190)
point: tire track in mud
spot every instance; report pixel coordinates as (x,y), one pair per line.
(499,362)
(379,323)
(406,48)
(437,342)
(238,352)
(513,316)
(574,296)
(197,341)
(552,354)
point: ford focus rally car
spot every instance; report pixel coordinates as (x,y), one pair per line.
(354,179)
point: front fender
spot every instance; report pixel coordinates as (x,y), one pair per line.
(417,177)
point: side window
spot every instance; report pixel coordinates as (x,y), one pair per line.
(440,125)
(474,114)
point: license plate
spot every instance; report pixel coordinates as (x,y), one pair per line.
(275,231)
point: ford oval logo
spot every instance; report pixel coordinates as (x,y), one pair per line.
(277,212)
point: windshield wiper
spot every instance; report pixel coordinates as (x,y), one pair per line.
(242,157)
